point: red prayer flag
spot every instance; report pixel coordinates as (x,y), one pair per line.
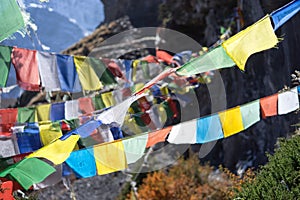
(269,105)
(158,136)
(7,119)
(164,56)
(26,66)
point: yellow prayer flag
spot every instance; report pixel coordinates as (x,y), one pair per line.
(58,151)
(43,112)
(108,99)
(231,121)
(49,132)
(87,76)
(110,157)
(257,37)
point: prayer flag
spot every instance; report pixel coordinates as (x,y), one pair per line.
(29,139)
(49,132)
(110,157)
(250,113)
(57,111)
(98,102)
(212,60)
(48,71)
(43,112)
(283,14)
(108,99)
(86,105)
(288,101)
(7,119)
(72,109)
(257,37)
(11,18)
(27,114)
(135,147)
(231,120)
(5,60)
(82,162)
(209,129)
(67,74)
(103,73)
(87,76)
(269,105)
(158,136)
(57,151)
(26,66)
(28,172)
(184,133)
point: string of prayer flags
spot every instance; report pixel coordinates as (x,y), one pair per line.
(82,162)
(288,101)
(283,14)
(257,37)
(48,71)
(269,105)
(250,113)
(231,121)
(87,76)
(57,151)
(135,147)
(215,59)
(28,172)
(209,129)
(26,66)
(110,157)
(5,60)
(11,19)
(43,112)
(67,74)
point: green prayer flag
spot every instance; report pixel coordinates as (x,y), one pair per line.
(250,113)
(5,60)
(98,102)
(103,73)
(11,18)
(135,147)
(214,59)
(29,171)
(26,114)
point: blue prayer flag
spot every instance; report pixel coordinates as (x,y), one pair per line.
(67,74)
(283,14)
(57,111)
(209,129)
(83,163)
(29,140)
